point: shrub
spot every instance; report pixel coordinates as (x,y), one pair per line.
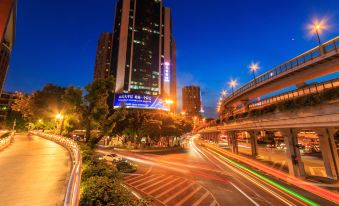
(98,168)
(125,167)
(99,191)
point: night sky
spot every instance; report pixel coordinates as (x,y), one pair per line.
(216,40)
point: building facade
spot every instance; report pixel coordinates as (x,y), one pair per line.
(7,36)
(191,101)
(6,100)
(143,52)
(103,56)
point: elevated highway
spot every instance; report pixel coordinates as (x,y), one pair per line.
(314,63)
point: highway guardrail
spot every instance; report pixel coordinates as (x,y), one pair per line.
(73,190)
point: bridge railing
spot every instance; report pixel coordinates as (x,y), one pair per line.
(332,45)
(5,141)
(311,89)
(73,189)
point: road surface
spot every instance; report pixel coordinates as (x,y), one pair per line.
(33,171)
(200,177)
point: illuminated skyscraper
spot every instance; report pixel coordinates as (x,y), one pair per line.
(143,53)
(7,36)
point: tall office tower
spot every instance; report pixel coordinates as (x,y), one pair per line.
(7,36)
(191,101)
(103,58)
(143,54)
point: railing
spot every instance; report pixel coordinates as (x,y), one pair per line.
(311,89)
(5,141)
(332,45)
(73,189)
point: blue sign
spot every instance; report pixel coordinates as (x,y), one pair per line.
(139,101)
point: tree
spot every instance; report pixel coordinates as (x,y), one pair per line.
(91,109)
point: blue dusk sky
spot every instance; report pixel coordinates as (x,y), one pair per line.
(216,40)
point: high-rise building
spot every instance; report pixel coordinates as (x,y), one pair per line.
(191,101)
(7,36)
(143,53)
(103,57)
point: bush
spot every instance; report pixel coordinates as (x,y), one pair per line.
(101,185)
(97,191)
(98,168)
(125,167)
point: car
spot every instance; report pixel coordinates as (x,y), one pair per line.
(112,158)
(270,145)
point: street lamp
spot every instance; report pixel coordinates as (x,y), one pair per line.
(169,101)
(59,117)
(254,67)
(317,27)
(233,83)
(224,93)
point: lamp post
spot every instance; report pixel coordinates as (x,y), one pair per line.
(317,27)
(233,83)
(254,67)
(60,117)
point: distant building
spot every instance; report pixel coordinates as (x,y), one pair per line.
(6,100)
(7,36)
(143,54)
(191,101)
(103,57)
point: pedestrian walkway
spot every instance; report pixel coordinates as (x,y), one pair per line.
(33,171)
(171,190)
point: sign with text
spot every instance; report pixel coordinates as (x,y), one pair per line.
(139,101)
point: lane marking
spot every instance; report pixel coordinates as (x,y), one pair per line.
(242,192)
(163,180)
(202,198)
(168,183)
(164,192)
(188,196)
(141,179)
(178,193)
(150,180)
(214,203)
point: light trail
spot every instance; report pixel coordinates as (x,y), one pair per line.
(254,182)
(328,195)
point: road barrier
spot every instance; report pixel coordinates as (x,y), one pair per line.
(5,141)
(73,190)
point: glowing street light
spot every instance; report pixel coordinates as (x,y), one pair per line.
(254,67)
(169,101)
(233,83)
(317,27)
(224,93)
(59,116)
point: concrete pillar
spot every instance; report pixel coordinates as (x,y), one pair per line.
(290,138)
(329,152)
(254,143)
(234,142)
(245,105)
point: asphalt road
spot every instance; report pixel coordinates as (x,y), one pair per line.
(33,171)
(200,177)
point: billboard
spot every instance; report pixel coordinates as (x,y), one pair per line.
(140,101)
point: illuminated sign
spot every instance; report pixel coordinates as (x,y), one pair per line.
(139,101)
(167,72)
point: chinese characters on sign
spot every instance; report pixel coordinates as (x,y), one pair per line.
(139,101)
